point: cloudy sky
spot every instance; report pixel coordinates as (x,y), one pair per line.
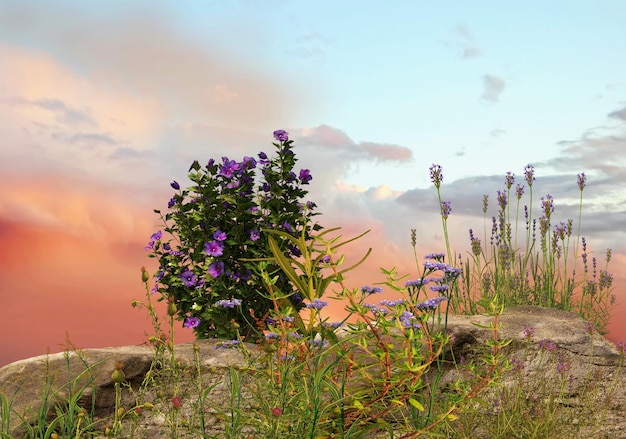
(102,104)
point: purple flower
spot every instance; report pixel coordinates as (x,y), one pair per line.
(228,168)
(153,239)
(287,227)
(431,304)
(305,176)
(582,180)
(519,191)
(529,174)
(417,283)
(189,278)
(435,175)
(502,201)
(219,235)
(228,303)
(439,288)
(281,135)
(226,344)
(446,209)
(371,290)
(529,332)
(191,322)
(175,185)
(317,304)
(391,303)
(216,269)
(509,179)
(214,248)
(254,235)
(408,320)
(435,256)
(547,205)
(248,162)
(171,203)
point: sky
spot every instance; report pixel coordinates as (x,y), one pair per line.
(104,103)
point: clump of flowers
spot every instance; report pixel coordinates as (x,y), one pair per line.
(214,228)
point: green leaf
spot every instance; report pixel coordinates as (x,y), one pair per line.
(285,265)
(415,403)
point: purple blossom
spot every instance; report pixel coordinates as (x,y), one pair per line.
(288,319)
(171,203)
(281,135)
(265,187)
(547,205)
(446,209)
(485,203)
(317,304)
(435,256)
(509,179)
(228,303)
(228,168)
(226,344)
(371,290)
(519,191)
(248,162)
(254,235)
(502,201)
(189,278)
(529,332)
(439,288)
(175,185)
(216,269)
(305,176)
(582,181)
(214,248)
(431,304)
(191,322)
(436,175)
(408,320)
(287,227)
(391,303)
(417,283)
(271,336)
(529,174)
(218,235)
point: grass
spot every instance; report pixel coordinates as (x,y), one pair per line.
(384,370)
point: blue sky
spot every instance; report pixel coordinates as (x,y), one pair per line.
(106,102)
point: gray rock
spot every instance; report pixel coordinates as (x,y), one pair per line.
(586,354)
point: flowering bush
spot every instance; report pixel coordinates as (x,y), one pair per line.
(215,228)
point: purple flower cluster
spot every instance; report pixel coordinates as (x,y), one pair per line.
(367,290)
(431,304)
(227,344)
(228,303)
(436,176)
(317,304)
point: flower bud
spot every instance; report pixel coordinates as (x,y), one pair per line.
(145,276)
(171,309)
(148,405)
(118,375)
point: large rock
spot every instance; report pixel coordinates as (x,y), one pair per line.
(88,372)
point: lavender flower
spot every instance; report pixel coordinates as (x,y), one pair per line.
(509,179)
(485,203)
(547,205)
(582,181)
(529,332)
(436,175)
(191,322)
(417,283)
(529,174)
(226,344)
(228,303)
(446,209)
(502,201)
(281,135)
(439,288)
(436,256)
(519,191)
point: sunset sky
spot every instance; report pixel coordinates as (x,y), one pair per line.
(104,103)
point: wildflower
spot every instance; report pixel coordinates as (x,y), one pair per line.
(254,235)
(317,304)
(519,191)
(228,168)
(175,185)
(621,347)
(391,303)
(548,345)
(276,411)
(281,135)
(216,269)
(436,256)
(191,322)
(408,320)
(517,365)
(582,181)
(214,248)
(485,203)
(475,242)
(287,227)
(371,290)
(417,283)
(189,278)
(502,201)
(171,203)
(529,174)
(153,239)
(288,319)
(562,365)
(271,336)
(547,205)
(435,175)
(218,235)
(226,344)
(431,304)
(528,332)
(325,259)
(305,176)
(248,162)
(228,303)
(177,402)
(509,179)
(446,209)
(439,288)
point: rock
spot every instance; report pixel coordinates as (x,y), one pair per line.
(586,357)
